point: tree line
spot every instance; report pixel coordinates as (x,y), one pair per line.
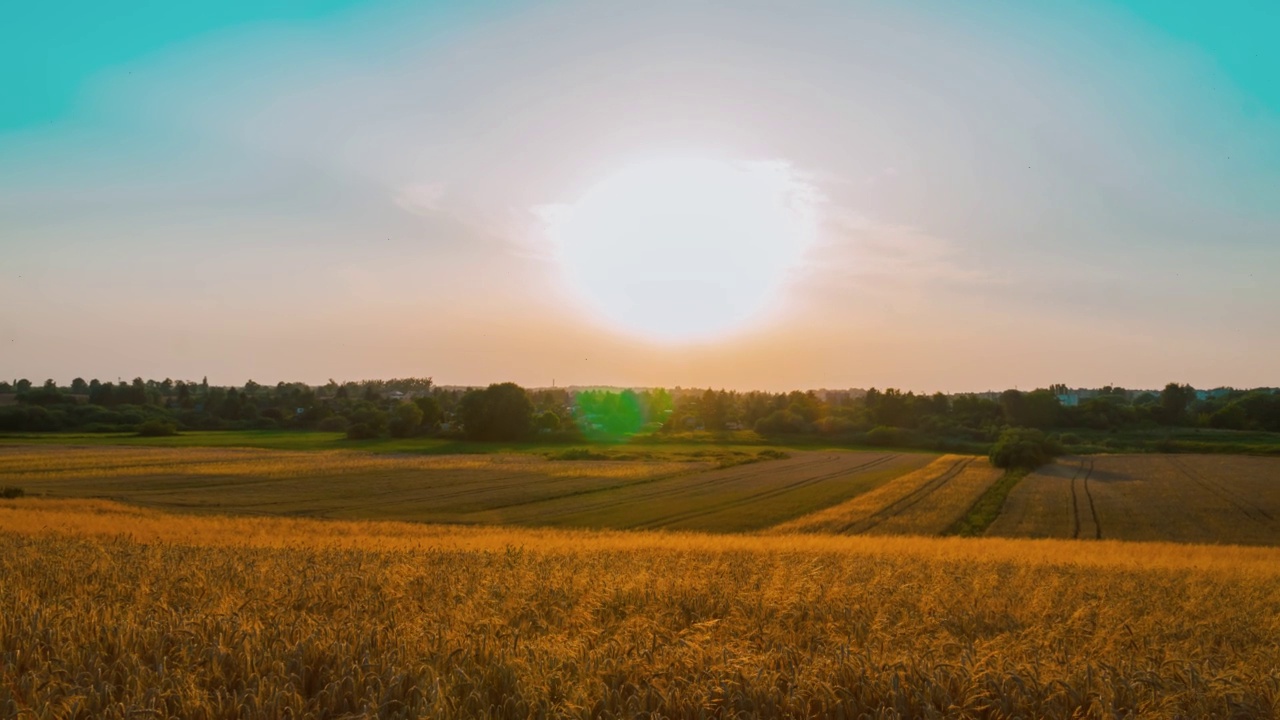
(505,411)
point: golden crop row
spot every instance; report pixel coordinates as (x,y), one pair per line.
(108,611)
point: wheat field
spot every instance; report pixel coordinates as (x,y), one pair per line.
(122,612)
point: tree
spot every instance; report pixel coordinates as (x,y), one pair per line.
(501,411)
(79,386)
(548,421)
(431,413)
(1174,400)
(406,418)
(22,385)
(713,410)
(369,417)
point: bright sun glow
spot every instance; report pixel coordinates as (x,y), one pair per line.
(688,249)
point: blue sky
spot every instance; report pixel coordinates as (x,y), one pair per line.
(1015,193)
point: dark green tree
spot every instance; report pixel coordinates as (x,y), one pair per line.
(1174,400)
(501,411)
(431,412)
(406,418)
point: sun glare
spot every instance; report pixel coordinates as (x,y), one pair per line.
(683,250)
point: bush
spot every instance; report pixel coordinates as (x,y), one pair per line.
(9,493)
(157,428)
(1023,448)
(360,431)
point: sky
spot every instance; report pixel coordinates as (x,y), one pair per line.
(964,196)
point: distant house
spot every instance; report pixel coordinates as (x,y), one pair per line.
(1069,399)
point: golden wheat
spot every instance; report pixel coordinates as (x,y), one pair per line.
(115,612)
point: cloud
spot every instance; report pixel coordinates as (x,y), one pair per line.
(856,247)
(423,199)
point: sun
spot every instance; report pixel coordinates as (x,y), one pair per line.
(686,249)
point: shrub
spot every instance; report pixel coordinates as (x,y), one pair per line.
(360,431)
(9,493)
(1024,448)
(157,428)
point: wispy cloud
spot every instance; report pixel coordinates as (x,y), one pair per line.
(421,199)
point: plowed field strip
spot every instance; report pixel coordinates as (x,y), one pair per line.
(1251,511)
(767,494)
(906,501)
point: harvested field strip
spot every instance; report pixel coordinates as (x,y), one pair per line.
(33,464)
(1182,498)
(711,480)
(334,483)
(690,483)
(767,494)
(737,499)
(846,515)
(1250,510)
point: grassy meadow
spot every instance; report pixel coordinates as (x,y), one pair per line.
(112,611)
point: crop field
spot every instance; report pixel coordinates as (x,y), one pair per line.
(927,501)
(326,484)
(111,611)
(1179,498)
(745,497)
(691,492)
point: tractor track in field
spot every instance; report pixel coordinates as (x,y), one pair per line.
(767,494)
(1085,467)
(1093,509)
(1075,501)
(906,501)
(1251,511)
